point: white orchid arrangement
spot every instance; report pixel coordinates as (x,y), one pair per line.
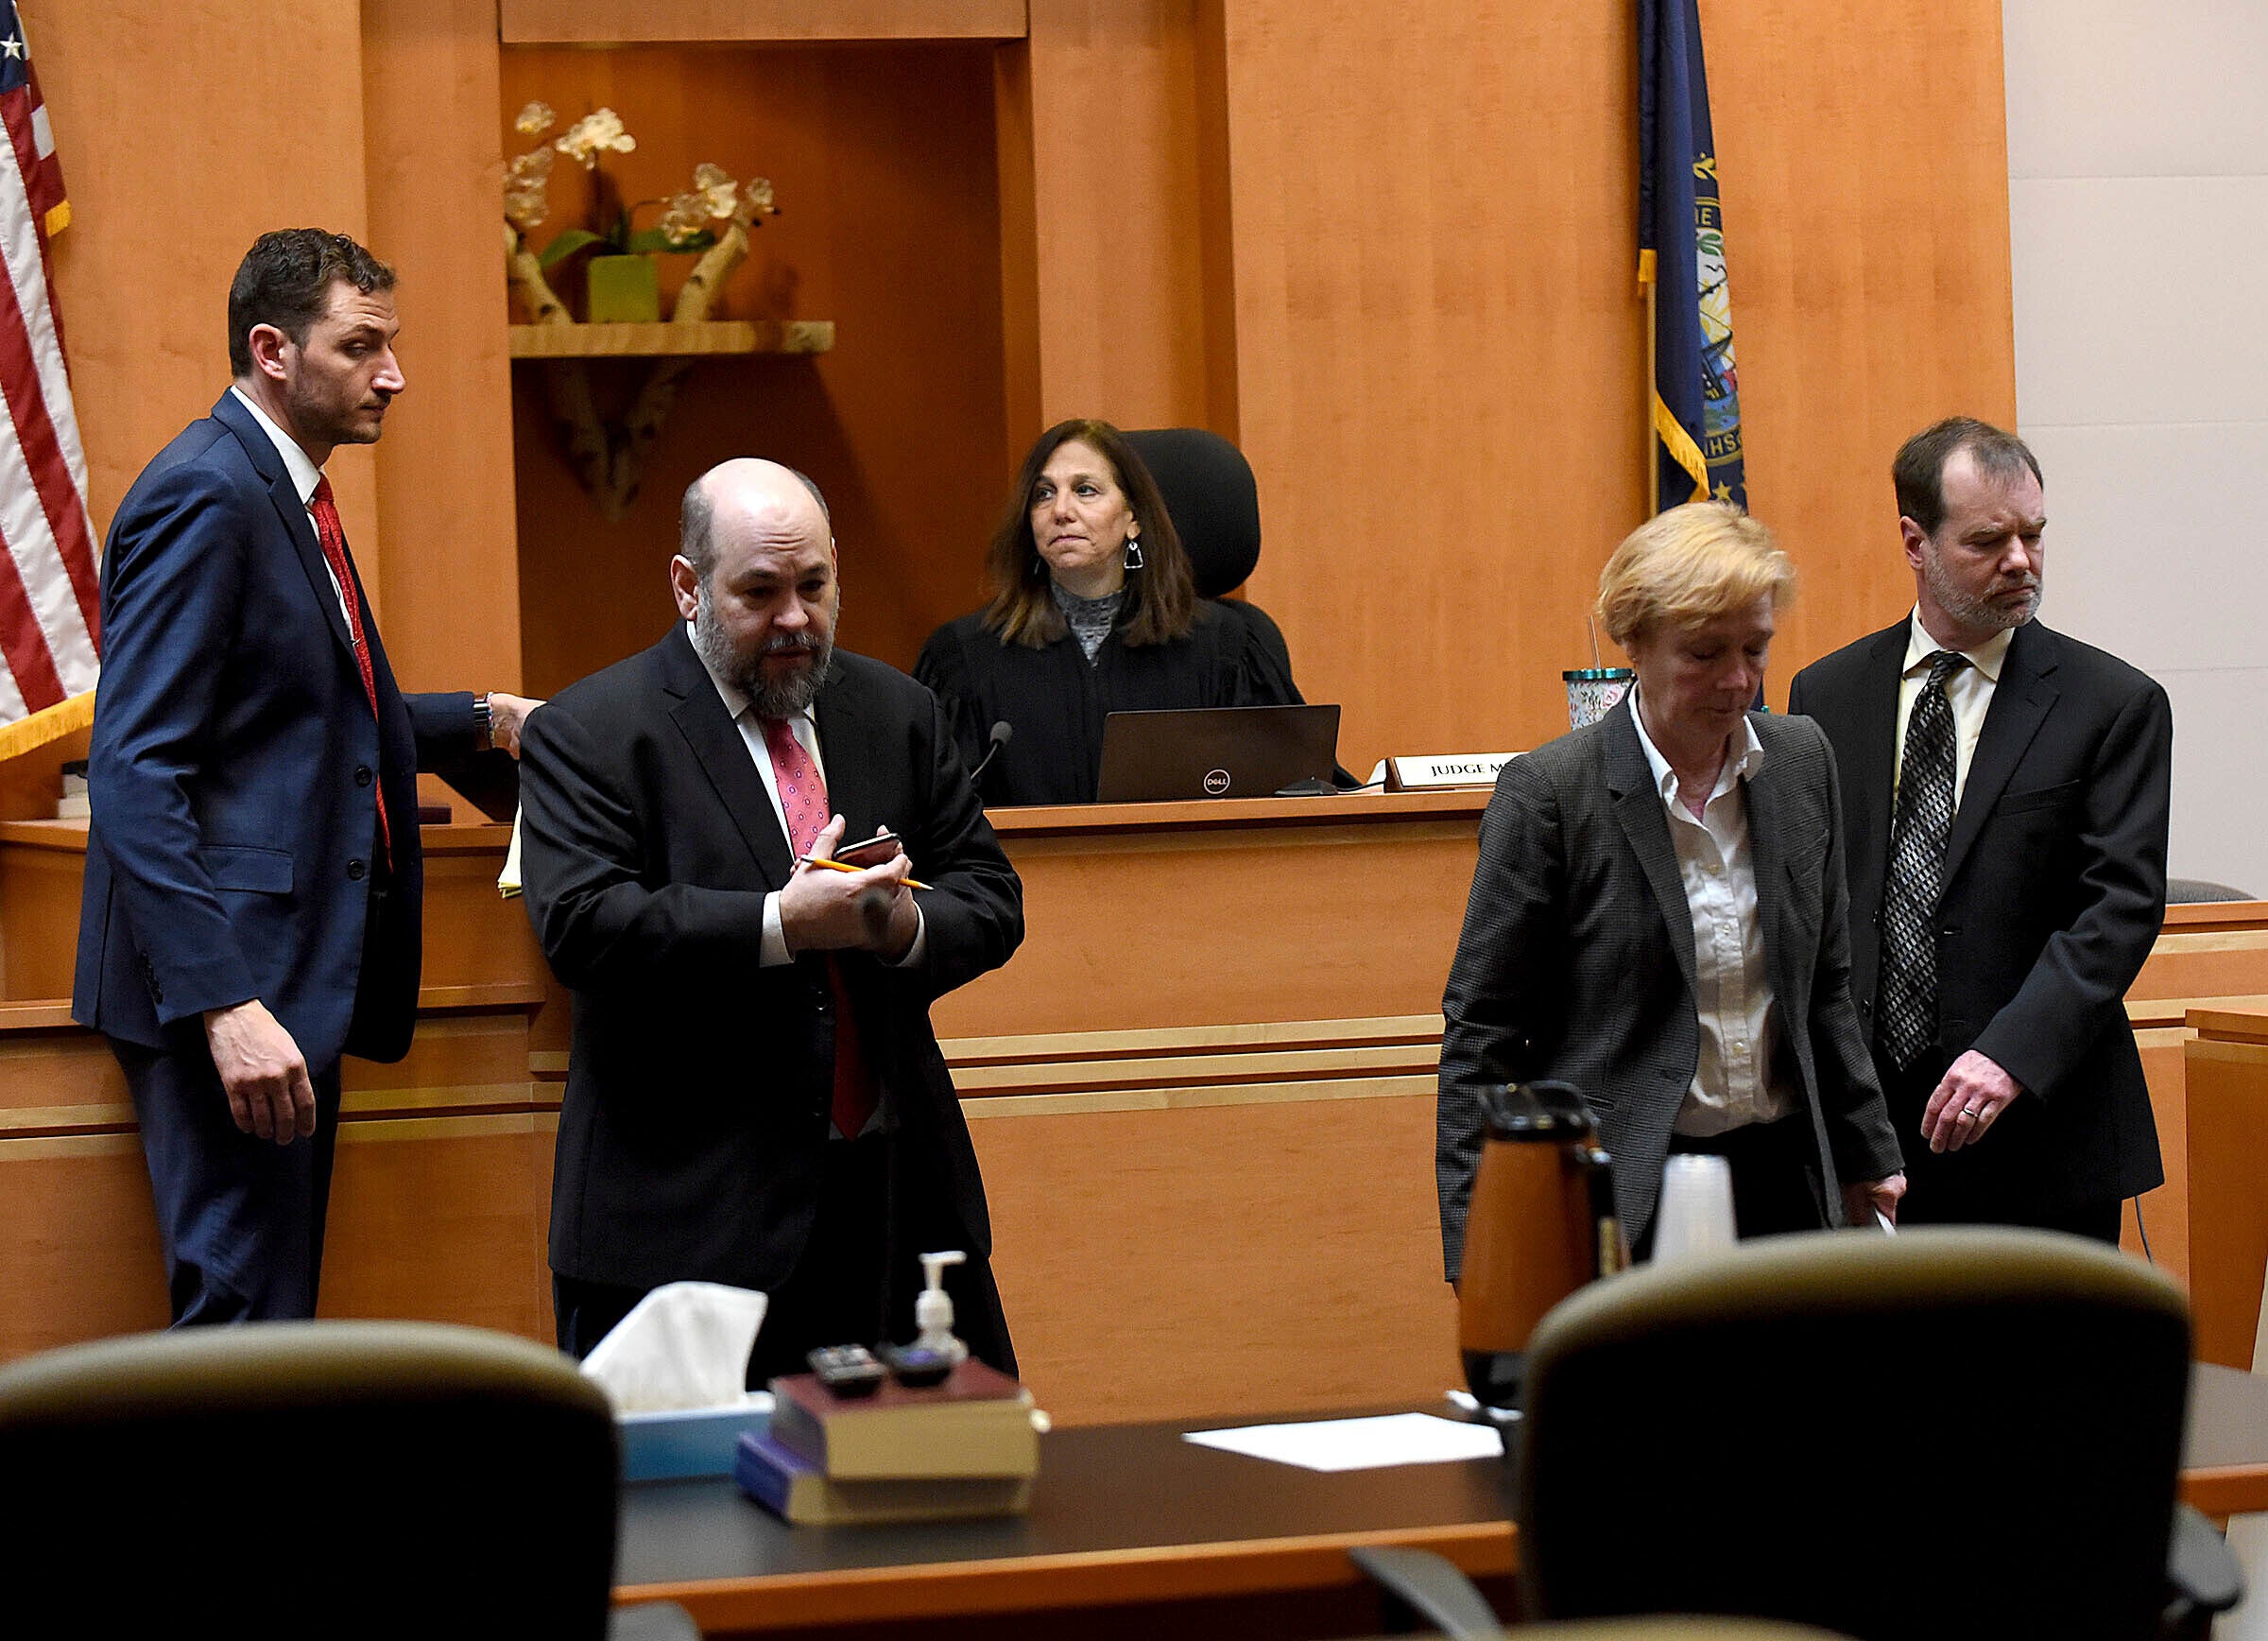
(713,217)
(690,221)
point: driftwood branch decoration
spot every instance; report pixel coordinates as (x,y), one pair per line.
(609,457)
(658,395)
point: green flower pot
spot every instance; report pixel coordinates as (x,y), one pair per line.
(622,291)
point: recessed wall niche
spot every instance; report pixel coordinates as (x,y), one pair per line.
(882,158)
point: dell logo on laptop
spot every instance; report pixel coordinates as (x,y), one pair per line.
(1216,781)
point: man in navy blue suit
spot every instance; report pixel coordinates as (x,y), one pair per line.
(251,902)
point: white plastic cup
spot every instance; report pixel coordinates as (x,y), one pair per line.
(1695,1212)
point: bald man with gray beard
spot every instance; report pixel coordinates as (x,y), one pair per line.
(755,1094)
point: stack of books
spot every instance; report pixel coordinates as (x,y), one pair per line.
(966,1448)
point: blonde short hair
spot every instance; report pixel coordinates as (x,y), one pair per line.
(1689,566)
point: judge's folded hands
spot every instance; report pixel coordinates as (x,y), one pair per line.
(868,910)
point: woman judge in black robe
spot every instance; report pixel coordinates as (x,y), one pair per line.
(1093,612)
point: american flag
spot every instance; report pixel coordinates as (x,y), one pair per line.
(48,623)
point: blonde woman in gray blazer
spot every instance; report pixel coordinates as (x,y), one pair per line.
(1658,915)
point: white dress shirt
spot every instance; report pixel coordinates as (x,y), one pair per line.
(1969,692)
(1740,1022)
(305,476)
(805,728)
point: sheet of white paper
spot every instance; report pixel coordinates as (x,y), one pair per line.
(508,881)
(1358,1444)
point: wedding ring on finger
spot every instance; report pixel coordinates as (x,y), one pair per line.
(1972,1113)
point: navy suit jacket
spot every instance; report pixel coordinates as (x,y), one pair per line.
(234,835)
(2054,889)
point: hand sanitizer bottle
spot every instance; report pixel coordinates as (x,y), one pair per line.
(935,1351)
(933,1310)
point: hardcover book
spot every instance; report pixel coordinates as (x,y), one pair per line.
(978,1422)
(794,1489)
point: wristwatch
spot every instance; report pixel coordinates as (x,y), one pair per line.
(484,723)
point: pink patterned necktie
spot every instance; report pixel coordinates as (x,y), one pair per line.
(334,536)
(803,800)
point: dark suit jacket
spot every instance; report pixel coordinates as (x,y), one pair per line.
(230,769)
(2054,889)
(697,1089)
(1577,960)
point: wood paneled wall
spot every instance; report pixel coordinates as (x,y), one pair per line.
(1863,154)
(1390,252)
(1131,232)
(883,159)
(159,120)
(1440,349)
(1440,341)
(449,584)
(188,128)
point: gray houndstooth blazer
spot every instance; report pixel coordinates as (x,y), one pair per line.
(1577,960)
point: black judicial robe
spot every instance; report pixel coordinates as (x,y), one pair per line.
(1056,699)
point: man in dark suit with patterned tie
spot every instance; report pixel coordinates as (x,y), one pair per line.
(2005,791)
(252,885)
(754,1093)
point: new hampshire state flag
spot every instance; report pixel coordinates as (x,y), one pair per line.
(1681,242)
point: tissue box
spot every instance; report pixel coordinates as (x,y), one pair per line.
(675,1446)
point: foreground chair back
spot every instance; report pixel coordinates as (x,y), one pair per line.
(1427,1593)
(310,1479)
(1944,1434)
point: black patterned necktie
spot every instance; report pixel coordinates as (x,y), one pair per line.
(1925,816)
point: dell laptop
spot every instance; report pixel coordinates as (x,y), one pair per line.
(1224,752)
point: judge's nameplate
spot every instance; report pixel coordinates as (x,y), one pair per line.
(1445,771)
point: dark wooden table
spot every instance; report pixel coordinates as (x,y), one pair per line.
(1131,1515)
(1122,1514)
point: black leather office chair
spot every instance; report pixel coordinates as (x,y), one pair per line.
(312,1478)
(1211,496)
(1214,504)
(1945,1434)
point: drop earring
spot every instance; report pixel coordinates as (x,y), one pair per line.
(1133,553)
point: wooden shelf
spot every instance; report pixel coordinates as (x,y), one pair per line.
(635,21)
(667,341)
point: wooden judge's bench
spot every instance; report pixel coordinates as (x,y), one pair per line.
(1202,1093)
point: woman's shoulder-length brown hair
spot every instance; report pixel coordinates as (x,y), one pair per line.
(1161,596)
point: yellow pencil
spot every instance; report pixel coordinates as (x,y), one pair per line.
(845,866)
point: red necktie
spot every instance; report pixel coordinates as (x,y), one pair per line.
(803,800)
(334,536)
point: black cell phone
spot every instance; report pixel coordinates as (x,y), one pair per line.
(882,845)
